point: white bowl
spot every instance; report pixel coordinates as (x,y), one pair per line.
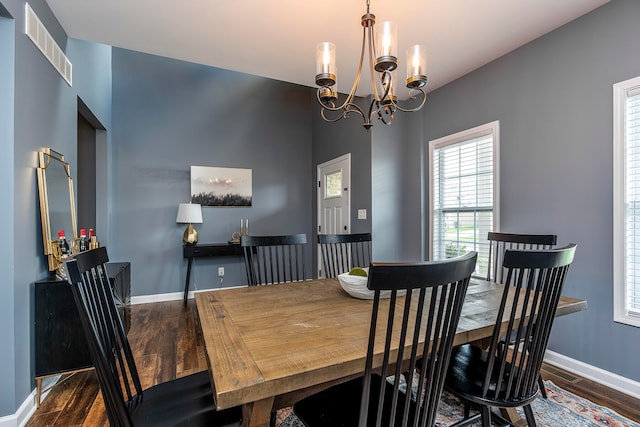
(356,286)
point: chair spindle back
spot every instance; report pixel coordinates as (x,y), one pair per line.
(428,312)
(274,259)
(106,337)
(500,242)
(342,252)
(533,284)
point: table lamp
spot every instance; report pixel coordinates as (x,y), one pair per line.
(189,213)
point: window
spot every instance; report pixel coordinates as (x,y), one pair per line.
(463,199)
(626,202)
(333,184)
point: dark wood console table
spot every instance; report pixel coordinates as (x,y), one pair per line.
(206,250)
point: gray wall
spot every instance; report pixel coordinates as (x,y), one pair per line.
(396,187)
(43,108)
(553,98)
(7,258)
(169,115)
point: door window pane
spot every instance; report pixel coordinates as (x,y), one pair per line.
(333,184)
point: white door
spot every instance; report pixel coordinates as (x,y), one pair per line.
(334,200)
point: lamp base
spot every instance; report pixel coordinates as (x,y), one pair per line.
(190,236)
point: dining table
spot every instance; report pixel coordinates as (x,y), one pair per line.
(269,346)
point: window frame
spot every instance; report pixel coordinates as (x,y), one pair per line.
(491,128)
(620,313)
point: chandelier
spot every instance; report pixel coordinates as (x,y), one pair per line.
(384,104)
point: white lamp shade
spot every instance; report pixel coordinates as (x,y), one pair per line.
(189,213)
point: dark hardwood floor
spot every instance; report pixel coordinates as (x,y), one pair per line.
(165,345)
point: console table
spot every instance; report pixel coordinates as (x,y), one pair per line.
(207,250)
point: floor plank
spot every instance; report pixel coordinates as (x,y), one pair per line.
(165,345)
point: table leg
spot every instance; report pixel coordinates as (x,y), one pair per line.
(38,391)
(257,414)
(511,415)
(186,283)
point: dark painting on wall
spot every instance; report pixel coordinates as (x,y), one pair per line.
(221,187)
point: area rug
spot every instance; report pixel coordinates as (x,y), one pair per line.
(560,409)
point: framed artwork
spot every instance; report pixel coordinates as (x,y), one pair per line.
(221,187)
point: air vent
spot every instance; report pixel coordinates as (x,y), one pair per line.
(47,45)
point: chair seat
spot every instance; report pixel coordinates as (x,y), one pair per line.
(339,406)
(466,375)
(186,401)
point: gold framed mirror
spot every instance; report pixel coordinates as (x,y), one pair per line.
(57,205)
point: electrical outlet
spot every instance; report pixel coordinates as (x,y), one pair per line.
(220,271)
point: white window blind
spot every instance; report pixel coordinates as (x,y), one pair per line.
(627,202)
(632,201)
(462,194)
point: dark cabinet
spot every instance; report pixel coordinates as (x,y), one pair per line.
(60,344)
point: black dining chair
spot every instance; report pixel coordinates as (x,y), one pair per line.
(507,379)
(427,312)
(185,401)
(341,252)
(274,259)
(498,244)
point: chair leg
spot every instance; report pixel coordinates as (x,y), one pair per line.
(486,416)
(528,413)
(272,420)
(467,408)
(543,390)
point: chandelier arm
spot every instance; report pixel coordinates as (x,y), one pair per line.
(388,113)
(346,105)
(382,111)
(345,109)
(412,110)
(374,85)
(356,83)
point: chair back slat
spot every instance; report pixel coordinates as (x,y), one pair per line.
(274,259)
(500,242)
(533,284)
(341,252)
(424,306)
(107,341)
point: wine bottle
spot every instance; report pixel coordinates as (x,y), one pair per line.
(65,250)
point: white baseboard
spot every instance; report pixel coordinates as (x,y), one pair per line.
(145,299)
(173,296)
(609,379)
(28,407)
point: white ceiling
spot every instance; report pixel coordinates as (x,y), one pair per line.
(278,38)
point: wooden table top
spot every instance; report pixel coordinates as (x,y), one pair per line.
(267,346)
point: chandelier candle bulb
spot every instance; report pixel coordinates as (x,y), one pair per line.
(416,66)
(326,64)
(387,38)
